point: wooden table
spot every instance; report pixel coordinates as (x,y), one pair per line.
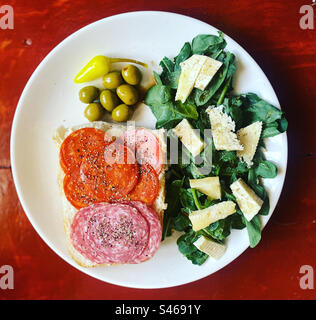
(270,32)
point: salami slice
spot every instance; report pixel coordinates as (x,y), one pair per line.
(107,179)
(155,230)
(147,188)
(110,233)
(76,191)
(78,144)
(146,146)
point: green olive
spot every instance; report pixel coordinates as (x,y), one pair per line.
(112,80)
(121,113)
(128,94)
(88,94)
(131,74)
(94,112)
(109,100)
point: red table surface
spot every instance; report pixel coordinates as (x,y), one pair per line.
(270,32)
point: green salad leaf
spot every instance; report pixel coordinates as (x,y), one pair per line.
(167,111)
(273,119)
(174,206)
(254,230)
(266,169)
(188,249)
(208,44)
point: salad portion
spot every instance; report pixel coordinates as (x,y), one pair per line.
(193,96)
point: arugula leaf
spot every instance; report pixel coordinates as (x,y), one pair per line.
(158,95)
(205,168)
(169,76)
(273,119)
(173,208)
(208,44)
(224,91)
(184,54)
(237,221)
(172,70)
(260,191)
(181,222)
(187,110)
(274,128)
(168,113)
(157,78)
(167,65)
(283,124)
(233,107)
(171,79)
(270,130)
(261,110)
(254,230)
(220,229)
(227,193)
(186,199)
(189,250)
(241,168)
(194,171)
(252,178)
(266,169)
(264,211)
(228,156)
(203,121)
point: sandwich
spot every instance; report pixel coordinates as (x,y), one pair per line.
(112,184)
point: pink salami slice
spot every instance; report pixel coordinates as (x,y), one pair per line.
(155,230)
(110,233)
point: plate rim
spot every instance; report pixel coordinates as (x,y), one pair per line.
(13,146)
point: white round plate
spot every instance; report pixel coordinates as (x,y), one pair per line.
(50,99)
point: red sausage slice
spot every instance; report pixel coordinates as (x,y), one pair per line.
(78,144)
(146,146)
(76,190)
(109,233)
(147,187)
(109,179)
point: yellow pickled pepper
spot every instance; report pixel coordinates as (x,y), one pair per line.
(99,66)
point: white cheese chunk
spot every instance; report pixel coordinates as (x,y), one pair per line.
(249,138)
(212,248)
(223,128)
(248,202)
(190,70)
(200,219)
(209,186)
(189,137)
(208,71)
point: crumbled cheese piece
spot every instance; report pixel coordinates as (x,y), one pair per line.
(200,219)
(208,71)
(189,137)
(249,138)
(212,248)
(190,70)
(248,202)
(223,128)
(209,186)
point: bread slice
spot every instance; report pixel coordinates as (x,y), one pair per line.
(114,130)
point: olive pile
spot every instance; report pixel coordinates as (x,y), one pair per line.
(117,97)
